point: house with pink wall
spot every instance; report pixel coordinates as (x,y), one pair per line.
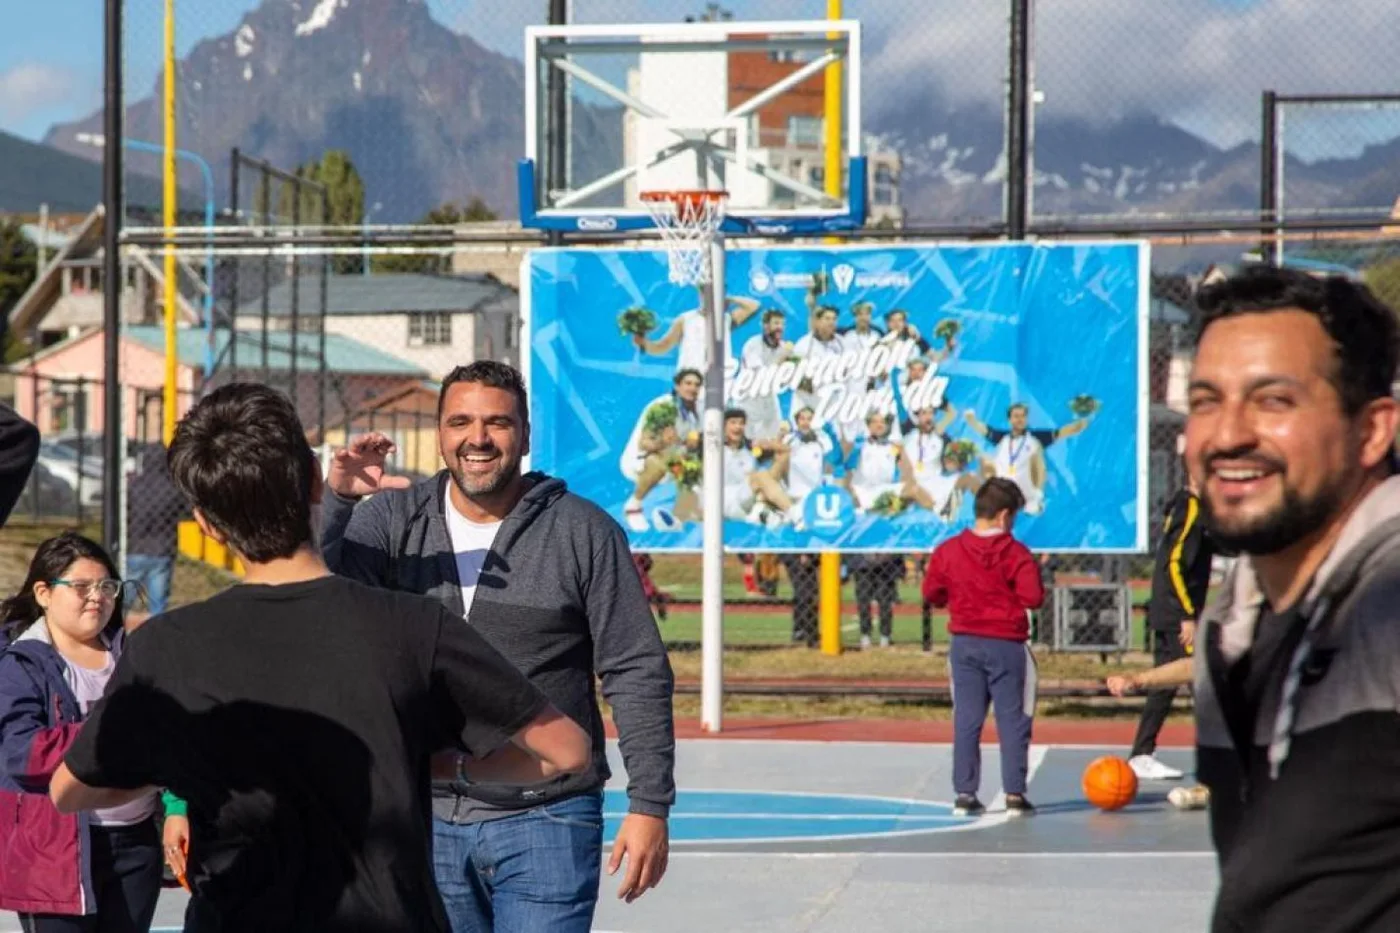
(61,387)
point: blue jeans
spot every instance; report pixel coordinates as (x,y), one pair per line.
(534,871)
(153,573)
(1002,672)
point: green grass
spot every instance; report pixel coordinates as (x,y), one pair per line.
(745,627)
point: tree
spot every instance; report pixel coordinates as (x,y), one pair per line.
(345,194)
(444,215)
(1384,280)
(19,263)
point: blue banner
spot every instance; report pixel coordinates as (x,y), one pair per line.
(869,392)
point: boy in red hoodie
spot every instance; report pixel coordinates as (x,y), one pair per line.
(988,580)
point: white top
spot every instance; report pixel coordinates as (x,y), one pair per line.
(88,685)
(941,488)
(1013,457)
(758,354)
(739,465)
(692,347)
(877,463)
(809,347)
(806,463)
(471,545)
(925,451)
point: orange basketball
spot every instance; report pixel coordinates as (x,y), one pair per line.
(1109,783)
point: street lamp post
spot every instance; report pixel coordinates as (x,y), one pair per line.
(98,139)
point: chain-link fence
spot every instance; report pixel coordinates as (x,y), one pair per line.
(358,162)
(425,100)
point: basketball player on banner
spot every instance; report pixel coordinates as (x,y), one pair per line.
(769,348)
(1019,451)
(687,331)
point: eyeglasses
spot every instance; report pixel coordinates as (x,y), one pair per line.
(107,589)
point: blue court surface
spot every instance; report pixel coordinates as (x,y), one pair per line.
(781,837)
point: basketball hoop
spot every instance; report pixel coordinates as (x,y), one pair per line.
(688,221)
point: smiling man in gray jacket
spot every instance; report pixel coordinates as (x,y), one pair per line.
(548,578)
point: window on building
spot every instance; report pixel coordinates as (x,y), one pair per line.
(805,131)
(886,186)
(430,329)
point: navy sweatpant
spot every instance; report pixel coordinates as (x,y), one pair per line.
(1002,672)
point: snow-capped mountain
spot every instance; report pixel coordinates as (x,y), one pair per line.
(430,115)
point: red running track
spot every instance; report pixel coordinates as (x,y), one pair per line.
(1047,731)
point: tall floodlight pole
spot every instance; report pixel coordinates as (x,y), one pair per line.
(112,279)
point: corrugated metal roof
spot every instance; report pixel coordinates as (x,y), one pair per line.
(380,293)
(343,354)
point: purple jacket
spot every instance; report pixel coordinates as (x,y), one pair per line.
(45,864)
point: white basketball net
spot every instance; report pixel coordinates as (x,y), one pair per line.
(687,221)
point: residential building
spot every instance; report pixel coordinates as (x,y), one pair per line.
(434,322)
(65,299)
(62,383)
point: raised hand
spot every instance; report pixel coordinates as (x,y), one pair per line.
(358,470)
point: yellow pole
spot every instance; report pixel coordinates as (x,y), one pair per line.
(171,193)
(829,589)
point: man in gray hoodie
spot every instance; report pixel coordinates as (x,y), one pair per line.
(547,577)
(1290,440)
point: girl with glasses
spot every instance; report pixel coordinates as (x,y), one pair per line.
(98,870)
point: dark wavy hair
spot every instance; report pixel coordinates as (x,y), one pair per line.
(50,561)
(1363,329)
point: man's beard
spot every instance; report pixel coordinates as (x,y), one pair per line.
(484,484)
(1294,519)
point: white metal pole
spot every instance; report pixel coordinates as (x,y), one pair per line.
(712,572)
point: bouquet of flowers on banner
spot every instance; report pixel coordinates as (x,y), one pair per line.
(659,417)
(888,503)
(965,451)
(947,330)
(685,466)
(1084,406)
(636,322)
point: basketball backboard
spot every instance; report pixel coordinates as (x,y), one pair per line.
(616,110)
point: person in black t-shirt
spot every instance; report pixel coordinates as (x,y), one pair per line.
(19,448)
(298,712)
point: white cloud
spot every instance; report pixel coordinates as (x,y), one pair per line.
(30,88)
(1200,63)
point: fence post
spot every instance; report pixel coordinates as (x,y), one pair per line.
(295,343)
(1018,182)
(80,420)
(557,168)
(1268,174)
(112,276)
(237,271)
(324,307)
(265,192)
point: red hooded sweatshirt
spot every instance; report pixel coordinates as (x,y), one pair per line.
(987,582)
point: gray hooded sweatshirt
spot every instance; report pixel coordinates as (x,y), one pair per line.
(560,597)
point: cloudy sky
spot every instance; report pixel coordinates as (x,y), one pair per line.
(1198,63)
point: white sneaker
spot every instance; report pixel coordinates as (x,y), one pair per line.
(636,519)
(1148,768)
(1190,798)
(864,642)
(884,641)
